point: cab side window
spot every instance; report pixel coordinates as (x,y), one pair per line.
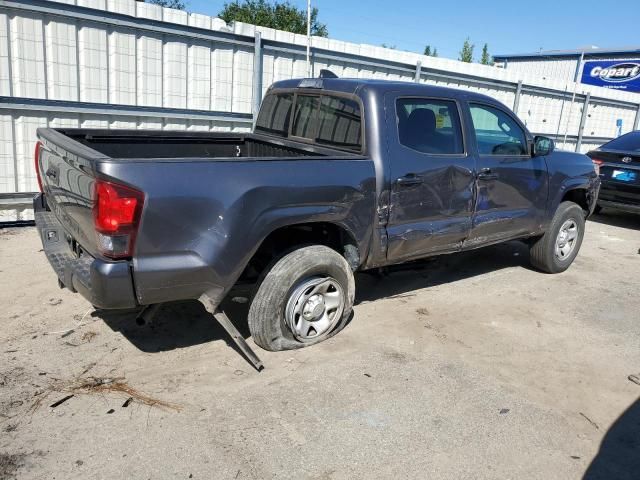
(497,133)
(429,126)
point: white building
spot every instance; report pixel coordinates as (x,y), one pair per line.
(573,65)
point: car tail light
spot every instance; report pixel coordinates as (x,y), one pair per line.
(116,215)
(36,155)
(596,164)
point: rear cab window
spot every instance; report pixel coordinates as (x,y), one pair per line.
(325,119)
(429,126)
(275,114)
(340,123)
(305,120)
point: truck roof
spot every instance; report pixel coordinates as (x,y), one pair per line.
(353,85)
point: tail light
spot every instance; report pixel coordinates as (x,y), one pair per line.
(36,155)
(116,215)
(596,164)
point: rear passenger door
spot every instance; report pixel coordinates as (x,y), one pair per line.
(431,175)
(512,185)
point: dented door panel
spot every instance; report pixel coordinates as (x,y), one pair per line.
(432,197)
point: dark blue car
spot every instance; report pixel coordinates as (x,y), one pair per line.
(618,163)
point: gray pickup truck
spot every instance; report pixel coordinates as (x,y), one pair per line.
(338,175)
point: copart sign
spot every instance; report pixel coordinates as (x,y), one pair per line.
(618,74)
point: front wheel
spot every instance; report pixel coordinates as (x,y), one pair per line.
(555,251)
(305,298)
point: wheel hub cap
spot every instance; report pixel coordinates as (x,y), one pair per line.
(314,308)
(566,239)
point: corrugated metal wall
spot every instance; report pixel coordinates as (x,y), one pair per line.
(554,67)
(558,68)
(128,64)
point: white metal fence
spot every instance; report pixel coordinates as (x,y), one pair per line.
(127,64)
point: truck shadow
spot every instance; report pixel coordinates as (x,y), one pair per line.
(619,454)
(176,325)
(616,218)
(402,279)
(185,324)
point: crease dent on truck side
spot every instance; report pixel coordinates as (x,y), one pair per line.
(339,175)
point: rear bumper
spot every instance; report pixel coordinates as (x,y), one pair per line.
(627,207)
(106,285)
(620,196)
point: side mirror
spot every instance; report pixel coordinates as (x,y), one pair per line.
(542,146)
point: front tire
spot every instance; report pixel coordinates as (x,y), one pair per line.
(306,297)
(555,251)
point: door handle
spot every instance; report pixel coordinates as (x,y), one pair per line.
(486,174)
(410,180)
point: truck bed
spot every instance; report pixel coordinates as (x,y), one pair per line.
(209,200)
(162,144)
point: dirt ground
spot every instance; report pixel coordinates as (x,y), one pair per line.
(466,366)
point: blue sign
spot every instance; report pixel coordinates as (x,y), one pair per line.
(618,74)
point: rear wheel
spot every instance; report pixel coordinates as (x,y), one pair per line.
(558,247)
(305,298)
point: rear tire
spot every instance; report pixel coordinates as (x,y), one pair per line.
(555,251)
(306,297)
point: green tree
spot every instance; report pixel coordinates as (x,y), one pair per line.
(466,54)
(430,52)
(281,16)
(486,59)
(385,45)
(178,4)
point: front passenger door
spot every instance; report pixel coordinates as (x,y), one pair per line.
(512,186)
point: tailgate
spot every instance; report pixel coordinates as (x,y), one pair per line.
(66,169)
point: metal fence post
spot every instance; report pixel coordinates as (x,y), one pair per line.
(516,100)
(578,73)
(257,74)
(78,77)
(9,55)
(416,77)
(636,122)
(186,75)
(44,56)
(16,181)
(109,30)
(583,118)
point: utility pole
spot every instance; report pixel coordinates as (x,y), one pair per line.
(309,74)
(576,78)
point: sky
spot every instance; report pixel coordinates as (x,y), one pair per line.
(507,26)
